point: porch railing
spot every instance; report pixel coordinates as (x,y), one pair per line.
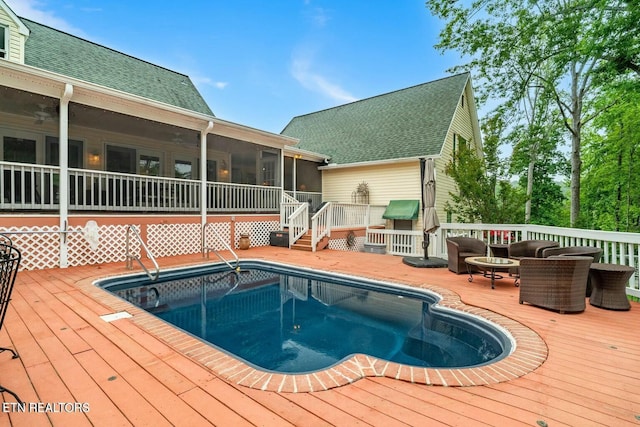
(37,187)
(226,197)
(111,191)
(26,186)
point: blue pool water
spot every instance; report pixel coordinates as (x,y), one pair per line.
(292,320)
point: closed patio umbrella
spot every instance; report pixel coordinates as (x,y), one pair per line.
(430,222)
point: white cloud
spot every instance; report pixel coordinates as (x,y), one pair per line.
(319,17)
(35,11)
(301,69)
(209,82)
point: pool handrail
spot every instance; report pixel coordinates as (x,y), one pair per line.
(131,257)
(206,249)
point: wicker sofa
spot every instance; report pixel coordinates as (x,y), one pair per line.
(530,248)
(459,248)
(592,251)
(556,283)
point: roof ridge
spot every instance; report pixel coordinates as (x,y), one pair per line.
(102,46)
(379,95)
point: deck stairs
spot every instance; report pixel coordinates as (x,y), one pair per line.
(304,243)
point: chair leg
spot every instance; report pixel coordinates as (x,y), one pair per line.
(6,390)
(15,355)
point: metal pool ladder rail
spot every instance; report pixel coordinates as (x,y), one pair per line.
(130,257)
(206,249)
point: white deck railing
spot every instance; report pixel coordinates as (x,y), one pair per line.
(305,196)
(288,205)
(298,223)
(617,247)
(320,225)
(399,242)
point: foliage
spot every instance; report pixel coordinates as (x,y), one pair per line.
(563,51)
(482,196)
(612,162)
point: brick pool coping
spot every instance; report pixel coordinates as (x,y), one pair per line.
(529,353)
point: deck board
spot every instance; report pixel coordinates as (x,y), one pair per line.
(132,377)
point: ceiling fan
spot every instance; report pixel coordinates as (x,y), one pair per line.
(42,114)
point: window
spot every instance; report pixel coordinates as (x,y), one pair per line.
(212,170)
(462,101)
(52,152)
(19,150)
(149,165)
(269,168)
(4,36)
(458,142)
(121,159)
(183,169)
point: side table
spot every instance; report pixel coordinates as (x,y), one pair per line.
(500,250)
(609,282)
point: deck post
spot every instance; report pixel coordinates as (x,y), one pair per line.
(64,173)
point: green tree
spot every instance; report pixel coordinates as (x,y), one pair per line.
(483,195)
(612,162)
(564,46)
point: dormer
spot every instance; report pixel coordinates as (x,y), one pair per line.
(13,35)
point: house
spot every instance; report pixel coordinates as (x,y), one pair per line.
(92,138)
(88,133)
(375,144)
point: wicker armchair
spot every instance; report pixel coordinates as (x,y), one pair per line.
(557,283)
(592,251)
(459,248)
(530,248)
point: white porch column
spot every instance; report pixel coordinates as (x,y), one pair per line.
(295,176)
(203,173)
(63,142)
(281,173)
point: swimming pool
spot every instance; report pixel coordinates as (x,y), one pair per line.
(293,320)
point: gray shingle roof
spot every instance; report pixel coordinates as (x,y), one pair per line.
(62,53)
(411,122)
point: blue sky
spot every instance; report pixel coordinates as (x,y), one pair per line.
(261,63)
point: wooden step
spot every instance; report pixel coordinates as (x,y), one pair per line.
(304,243)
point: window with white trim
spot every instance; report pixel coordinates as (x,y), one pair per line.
(4,41)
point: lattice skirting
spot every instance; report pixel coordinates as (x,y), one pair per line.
(41,246)
(341,244)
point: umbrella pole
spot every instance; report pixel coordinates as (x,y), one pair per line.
(425,245)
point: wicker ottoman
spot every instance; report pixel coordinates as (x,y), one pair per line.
(609,282)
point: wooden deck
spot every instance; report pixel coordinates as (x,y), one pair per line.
(125,375)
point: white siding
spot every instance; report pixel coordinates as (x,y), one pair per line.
(15,45)
(394,181)
(465,124)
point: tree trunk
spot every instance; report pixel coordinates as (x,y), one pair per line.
(527,206)
(576,160)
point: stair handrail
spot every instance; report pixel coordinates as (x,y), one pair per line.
(321,224)
(298,223)
(288,204)
(130,257)
(206,249)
